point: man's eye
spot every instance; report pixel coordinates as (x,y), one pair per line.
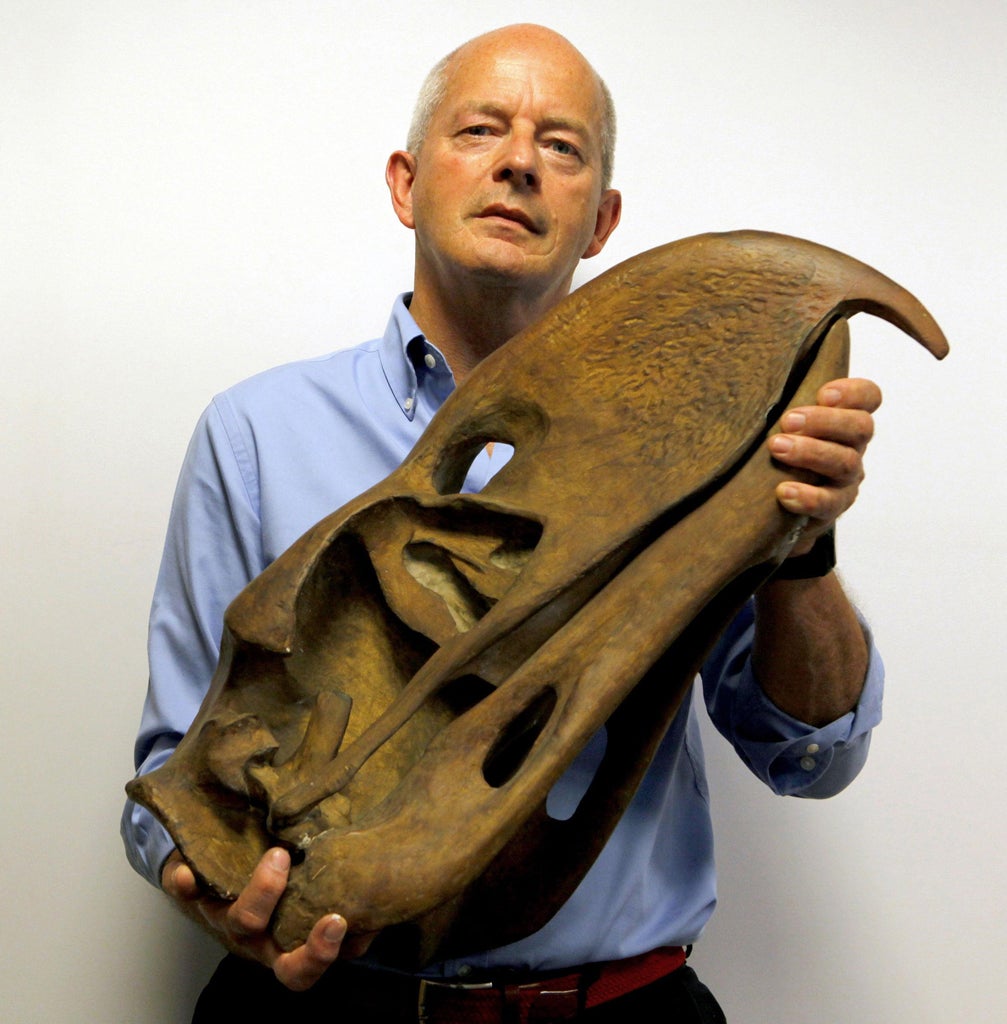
(477,129)
(562,147)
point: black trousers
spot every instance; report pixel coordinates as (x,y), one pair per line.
(245,991)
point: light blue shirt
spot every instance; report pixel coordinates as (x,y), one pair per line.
(278,452)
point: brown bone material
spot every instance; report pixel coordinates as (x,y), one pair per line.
(398,692)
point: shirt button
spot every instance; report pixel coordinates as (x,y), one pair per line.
(408,404)
(431,360)
(812,748)
(466,969)
(807,764)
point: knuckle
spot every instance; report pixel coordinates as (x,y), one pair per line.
(850,465)
(819,503)
(244,922)
(269,887)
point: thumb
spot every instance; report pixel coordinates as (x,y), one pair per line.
(177,878)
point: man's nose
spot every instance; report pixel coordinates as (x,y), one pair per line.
(519,162)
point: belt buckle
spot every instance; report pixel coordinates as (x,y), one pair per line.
(422,1016)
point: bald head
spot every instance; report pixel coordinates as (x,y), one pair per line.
(549,46)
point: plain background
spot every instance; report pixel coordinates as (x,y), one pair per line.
(192,192)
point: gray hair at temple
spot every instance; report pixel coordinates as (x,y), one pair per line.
(432,92)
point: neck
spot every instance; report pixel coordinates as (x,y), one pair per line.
(468,325)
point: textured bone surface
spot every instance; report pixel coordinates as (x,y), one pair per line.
(399,691)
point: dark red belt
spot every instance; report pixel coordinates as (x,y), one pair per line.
(555,998)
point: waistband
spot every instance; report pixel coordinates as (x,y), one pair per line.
(555,996)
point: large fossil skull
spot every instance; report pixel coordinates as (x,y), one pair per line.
(398,692)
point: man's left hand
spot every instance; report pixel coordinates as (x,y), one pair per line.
(829,440)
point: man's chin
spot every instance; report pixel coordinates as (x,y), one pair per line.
(513,261)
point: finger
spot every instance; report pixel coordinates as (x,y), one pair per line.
(302,967)
(177,879)
(248,916)
(850,393)
(840,465)
(851,427)
(822,505)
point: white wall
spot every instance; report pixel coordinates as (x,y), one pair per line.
(193,191)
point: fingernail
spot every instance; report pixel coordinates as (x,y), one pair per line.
(831,396)
(788,494)
(794,421)
(277,859)
(335,930)
(781,445)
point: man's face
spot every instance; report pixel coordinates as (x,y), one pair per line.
(506,187)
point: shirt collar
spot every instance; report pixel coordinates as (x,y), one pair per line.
(410,363)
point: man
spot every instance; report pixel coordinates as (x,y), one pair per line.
(506,187)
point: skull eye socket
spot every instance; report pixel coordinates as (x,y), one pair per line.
(520,424)
(452,473)
(515,741)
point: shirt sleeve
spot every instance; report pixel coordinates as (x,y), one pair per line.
(213,549)
(791,757)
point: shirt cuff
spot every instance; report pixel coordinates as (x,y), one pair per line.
(794,758)
(147,842)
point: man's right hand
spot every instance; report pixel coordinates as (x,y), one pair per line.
(242,925)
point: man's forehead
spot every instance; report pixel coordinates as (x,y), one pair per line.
(563,87)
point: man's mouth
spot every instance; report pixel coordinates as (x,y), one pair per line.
(511,213)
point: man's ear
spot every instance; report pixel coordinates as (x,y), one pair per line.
(400,172)
(609,212)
